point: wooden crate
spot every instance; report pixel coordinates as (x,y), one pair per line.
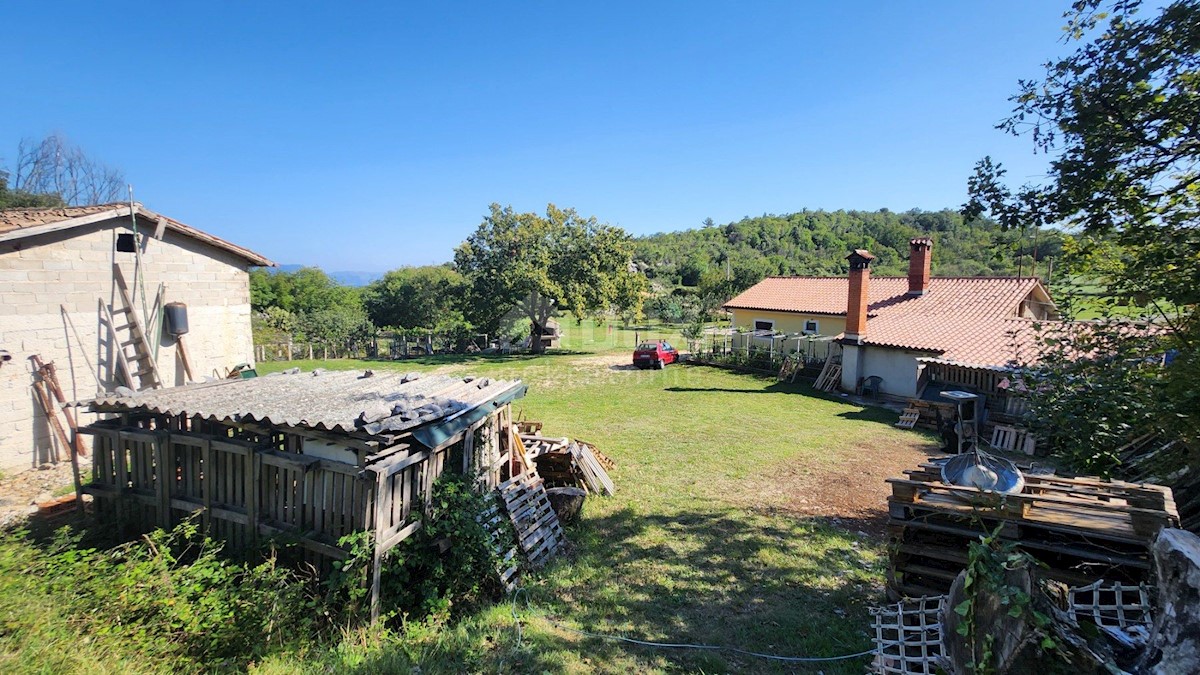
(1082,529)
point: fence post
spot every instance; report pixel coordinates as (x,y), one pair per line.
(289,350)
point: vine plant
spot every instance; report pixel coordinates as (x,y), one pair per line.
(988,562)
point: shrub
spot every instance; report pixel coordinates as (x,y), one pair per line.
(446,567)
(175,594)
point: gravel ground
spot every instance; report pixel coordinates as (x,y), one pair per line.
(20,492)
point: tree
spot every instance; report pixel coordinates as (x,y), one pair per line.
(415,297)
(1119,118)
(541,265)
(303,291)
(55,166)
(18,199)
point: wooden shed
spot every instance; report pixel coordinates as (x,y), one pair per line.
(317,455)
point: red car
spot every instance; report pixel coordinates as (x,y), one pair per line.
(654,355)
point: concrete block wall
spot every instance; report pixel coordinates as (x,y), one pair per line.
(50,290)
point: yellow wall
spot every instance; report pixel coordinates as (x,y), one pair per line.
(789,322)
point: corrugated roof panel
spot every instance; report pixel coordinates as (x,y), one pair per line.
(339,401)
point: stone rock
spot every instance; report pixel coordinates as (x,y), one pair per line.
(1175,639)
(567,502)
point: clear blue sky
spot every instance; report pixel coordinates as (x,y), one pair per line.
(365,137)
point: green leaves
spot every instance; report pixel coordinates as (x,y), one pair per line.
(415,297)
(541,265)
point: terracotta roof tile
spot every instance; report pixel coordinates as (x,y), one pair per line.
(13,221)
(972,320)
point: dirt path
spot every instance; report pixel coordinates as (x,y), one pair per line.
(850,491)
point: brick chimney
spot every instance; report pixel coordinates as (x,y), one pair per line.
(920,253)
(857,298)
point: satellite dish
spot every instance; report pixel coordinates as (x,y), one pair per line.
(977,469)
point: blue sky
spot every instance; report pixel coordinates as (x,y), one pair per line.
(362,136)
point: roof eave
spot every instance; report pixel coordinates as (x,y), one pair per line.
(255,259)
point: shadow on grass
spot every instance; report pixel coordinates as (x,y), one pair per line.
(777,388)
(730,578)
(724,577)
(754,580)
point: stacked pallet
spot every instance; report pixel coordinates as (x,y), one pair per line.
(563,462)
(831,375)
(929,412)
(1082,529)
(539,533)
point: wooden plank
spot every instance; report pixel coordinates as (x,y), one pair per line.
(377,557)
(181,346)
(207,483)
(161,484)
(400,534)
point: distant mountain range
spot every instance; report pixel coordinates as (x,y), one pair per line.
(347,278)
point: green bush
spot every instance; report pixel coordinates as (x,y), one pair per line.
(447,567)
(175,595)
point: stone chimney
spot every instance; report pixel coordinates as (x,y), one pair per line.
(857,298)
(920,253)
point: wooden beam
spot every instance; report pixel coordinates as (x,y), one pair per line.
(183,356)
(381,482)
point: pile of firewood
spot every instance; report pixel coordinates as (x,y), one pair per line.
(563,462)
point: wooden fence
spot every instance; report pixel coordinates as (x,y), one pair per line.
(982,380)
(243,490)
(385,345)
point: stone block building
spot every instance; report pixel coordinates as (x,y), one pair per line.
(60,276)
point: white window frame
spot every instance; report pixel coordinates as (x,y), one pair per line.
(816,329)
(755,328)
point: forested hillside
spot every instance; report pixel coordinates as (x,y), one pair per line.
(817,242)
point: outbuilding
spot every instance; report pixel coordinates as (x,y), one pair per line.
(84,289)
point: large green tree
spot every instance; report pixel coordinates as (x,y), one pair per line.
(543,264)
(415,297)
(1120,119)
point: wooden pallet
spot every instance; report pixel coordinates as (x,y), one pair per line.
(908,418)
(792,364)
(539,533)
(507,554)
(605,461)
(831,374)
(562,462)
(1081,529)
(1013,439)
(593,473)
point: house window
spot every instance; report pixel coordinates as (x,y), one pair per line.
(760,324)
(810,327)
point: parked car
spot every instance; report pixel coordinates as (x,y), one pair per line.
(654,355)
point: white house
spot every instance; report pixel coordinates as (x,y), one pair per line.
(892,327)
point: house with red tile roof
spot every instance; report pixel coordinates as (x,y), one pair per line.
(893,327)
(62,274)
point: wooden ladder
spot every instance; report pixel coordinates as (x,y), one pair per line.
(139,369)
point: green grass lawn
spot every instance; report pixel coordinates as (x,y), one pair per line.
(700,544)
